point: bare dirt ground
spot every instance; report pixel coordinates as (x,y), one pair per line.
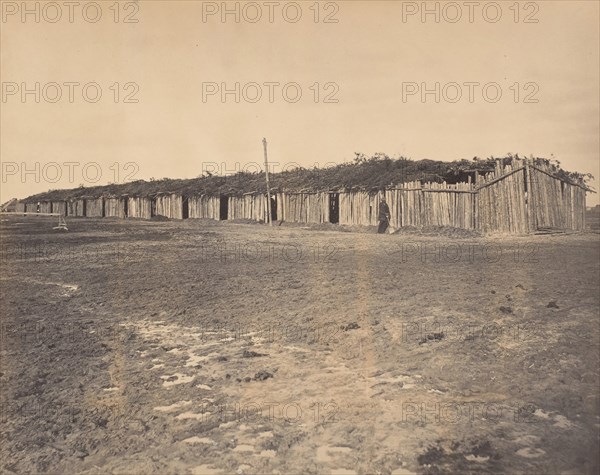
(191,347)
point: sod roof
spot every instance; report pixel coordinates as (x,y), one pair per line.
(364,173)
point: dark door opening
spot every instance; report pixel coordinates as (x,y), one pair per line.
(223,208)
(334,208)
(273,209)
(126,207)
(83,208)
(185,208)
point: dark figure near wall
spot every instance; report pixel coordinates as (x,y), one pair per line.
(384,216)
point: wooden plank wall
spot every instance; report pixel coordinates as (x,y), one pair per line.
(281,208)
(59,207)
(501,201)
(578,208)
(46,207)
(303,207)
(448,205)
(434,204)
(169,205)
(204,207)
(115,207)
(94,208)
(139,207)
(253,207)
(555,203)
(317,206)
(76,208)
(359,207)
(20,207)
(546,197)
(406,205)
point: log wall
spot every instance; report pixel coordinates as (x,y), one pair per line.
(59,207)
(501,201)
(432,204)
(204,207)
(115,207)
(303,207)
(139,207)
(76,208)
(169,205)
(94,208)
(253,207)
(46,207)
(359,208)
(555,203)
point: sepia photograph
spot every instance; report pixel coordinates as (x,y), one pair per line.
(301,237)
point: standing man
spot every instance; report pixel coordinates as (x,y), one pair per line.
(384,216)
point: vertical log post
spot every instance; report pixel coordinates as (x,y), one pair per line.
(529,216)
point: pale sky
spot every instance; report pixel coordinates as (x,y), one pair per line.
(369,56)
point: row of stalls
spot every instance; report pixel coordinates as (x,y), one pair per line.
(168,205)
(348,208)
(515,199)
(254,206)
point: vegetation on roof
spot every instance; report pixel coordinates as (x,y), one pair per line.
(365,173)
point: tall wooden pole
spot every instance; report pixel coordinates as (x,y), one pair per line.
(530,212)
(268,188)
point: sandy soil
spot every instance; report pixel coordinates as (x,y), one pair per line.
(205,348)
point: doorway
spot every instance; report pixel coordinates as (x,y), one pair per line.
(185,208)
(273,209)
(334,208)
(223,207)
